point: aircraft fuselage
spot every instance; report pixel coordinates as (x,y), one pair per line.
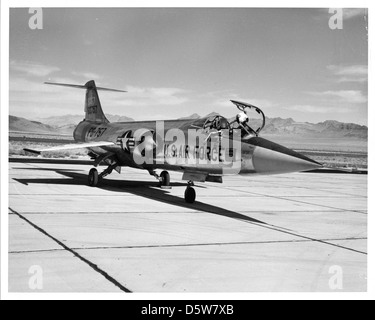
(217,156)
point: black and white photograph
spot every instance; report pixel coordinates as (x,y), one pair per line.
(190,150)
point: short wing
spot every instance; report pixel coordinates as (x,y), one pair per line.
(72,146)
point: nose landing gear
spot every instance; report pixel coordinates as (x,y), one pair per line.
(164,179)
(190,194)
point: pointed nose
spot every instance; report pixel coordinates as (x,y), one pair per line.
(272,158)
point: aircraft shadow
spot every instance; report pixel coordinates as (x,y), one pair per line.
(145,189)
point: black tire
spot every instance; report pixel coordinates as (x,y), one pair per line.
(190,195)
(165,179)
(93,178)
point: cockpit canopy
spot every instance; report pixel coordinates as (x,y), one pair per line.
(240,121)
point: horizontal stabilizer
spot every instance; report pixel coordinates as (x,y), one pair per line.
(81,87)
(72,146)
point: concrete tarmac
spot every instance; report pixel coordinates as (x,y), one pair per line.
(303,232)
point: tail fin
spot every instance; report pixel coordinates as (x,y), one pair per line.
(93,107)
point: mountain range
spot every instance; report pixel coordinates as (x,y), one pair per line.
(56,124)
(328,128)
(274,126)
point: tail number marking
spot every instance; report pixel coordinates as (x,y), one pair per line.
(96,132)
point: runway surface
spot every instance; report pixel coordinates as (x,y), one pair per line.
(295,232)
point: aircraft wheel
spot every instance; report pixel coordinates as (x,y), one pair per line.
(190,195)
(165,179)
(93,178)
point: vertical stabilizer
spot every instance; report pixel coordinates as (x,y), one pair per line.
(93,107)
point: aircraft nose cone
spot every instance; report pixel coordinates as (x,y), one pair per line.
(272,158)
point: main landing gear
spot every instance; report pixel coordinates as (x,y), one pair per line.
(95,177)
(164,179)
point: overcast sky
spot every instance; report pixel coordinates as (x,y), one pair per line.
(175,62)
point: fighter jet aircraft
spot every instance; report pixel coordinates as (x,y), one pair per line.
(203,150)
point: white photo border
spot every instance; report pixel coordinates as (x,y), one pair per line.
(7,4)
